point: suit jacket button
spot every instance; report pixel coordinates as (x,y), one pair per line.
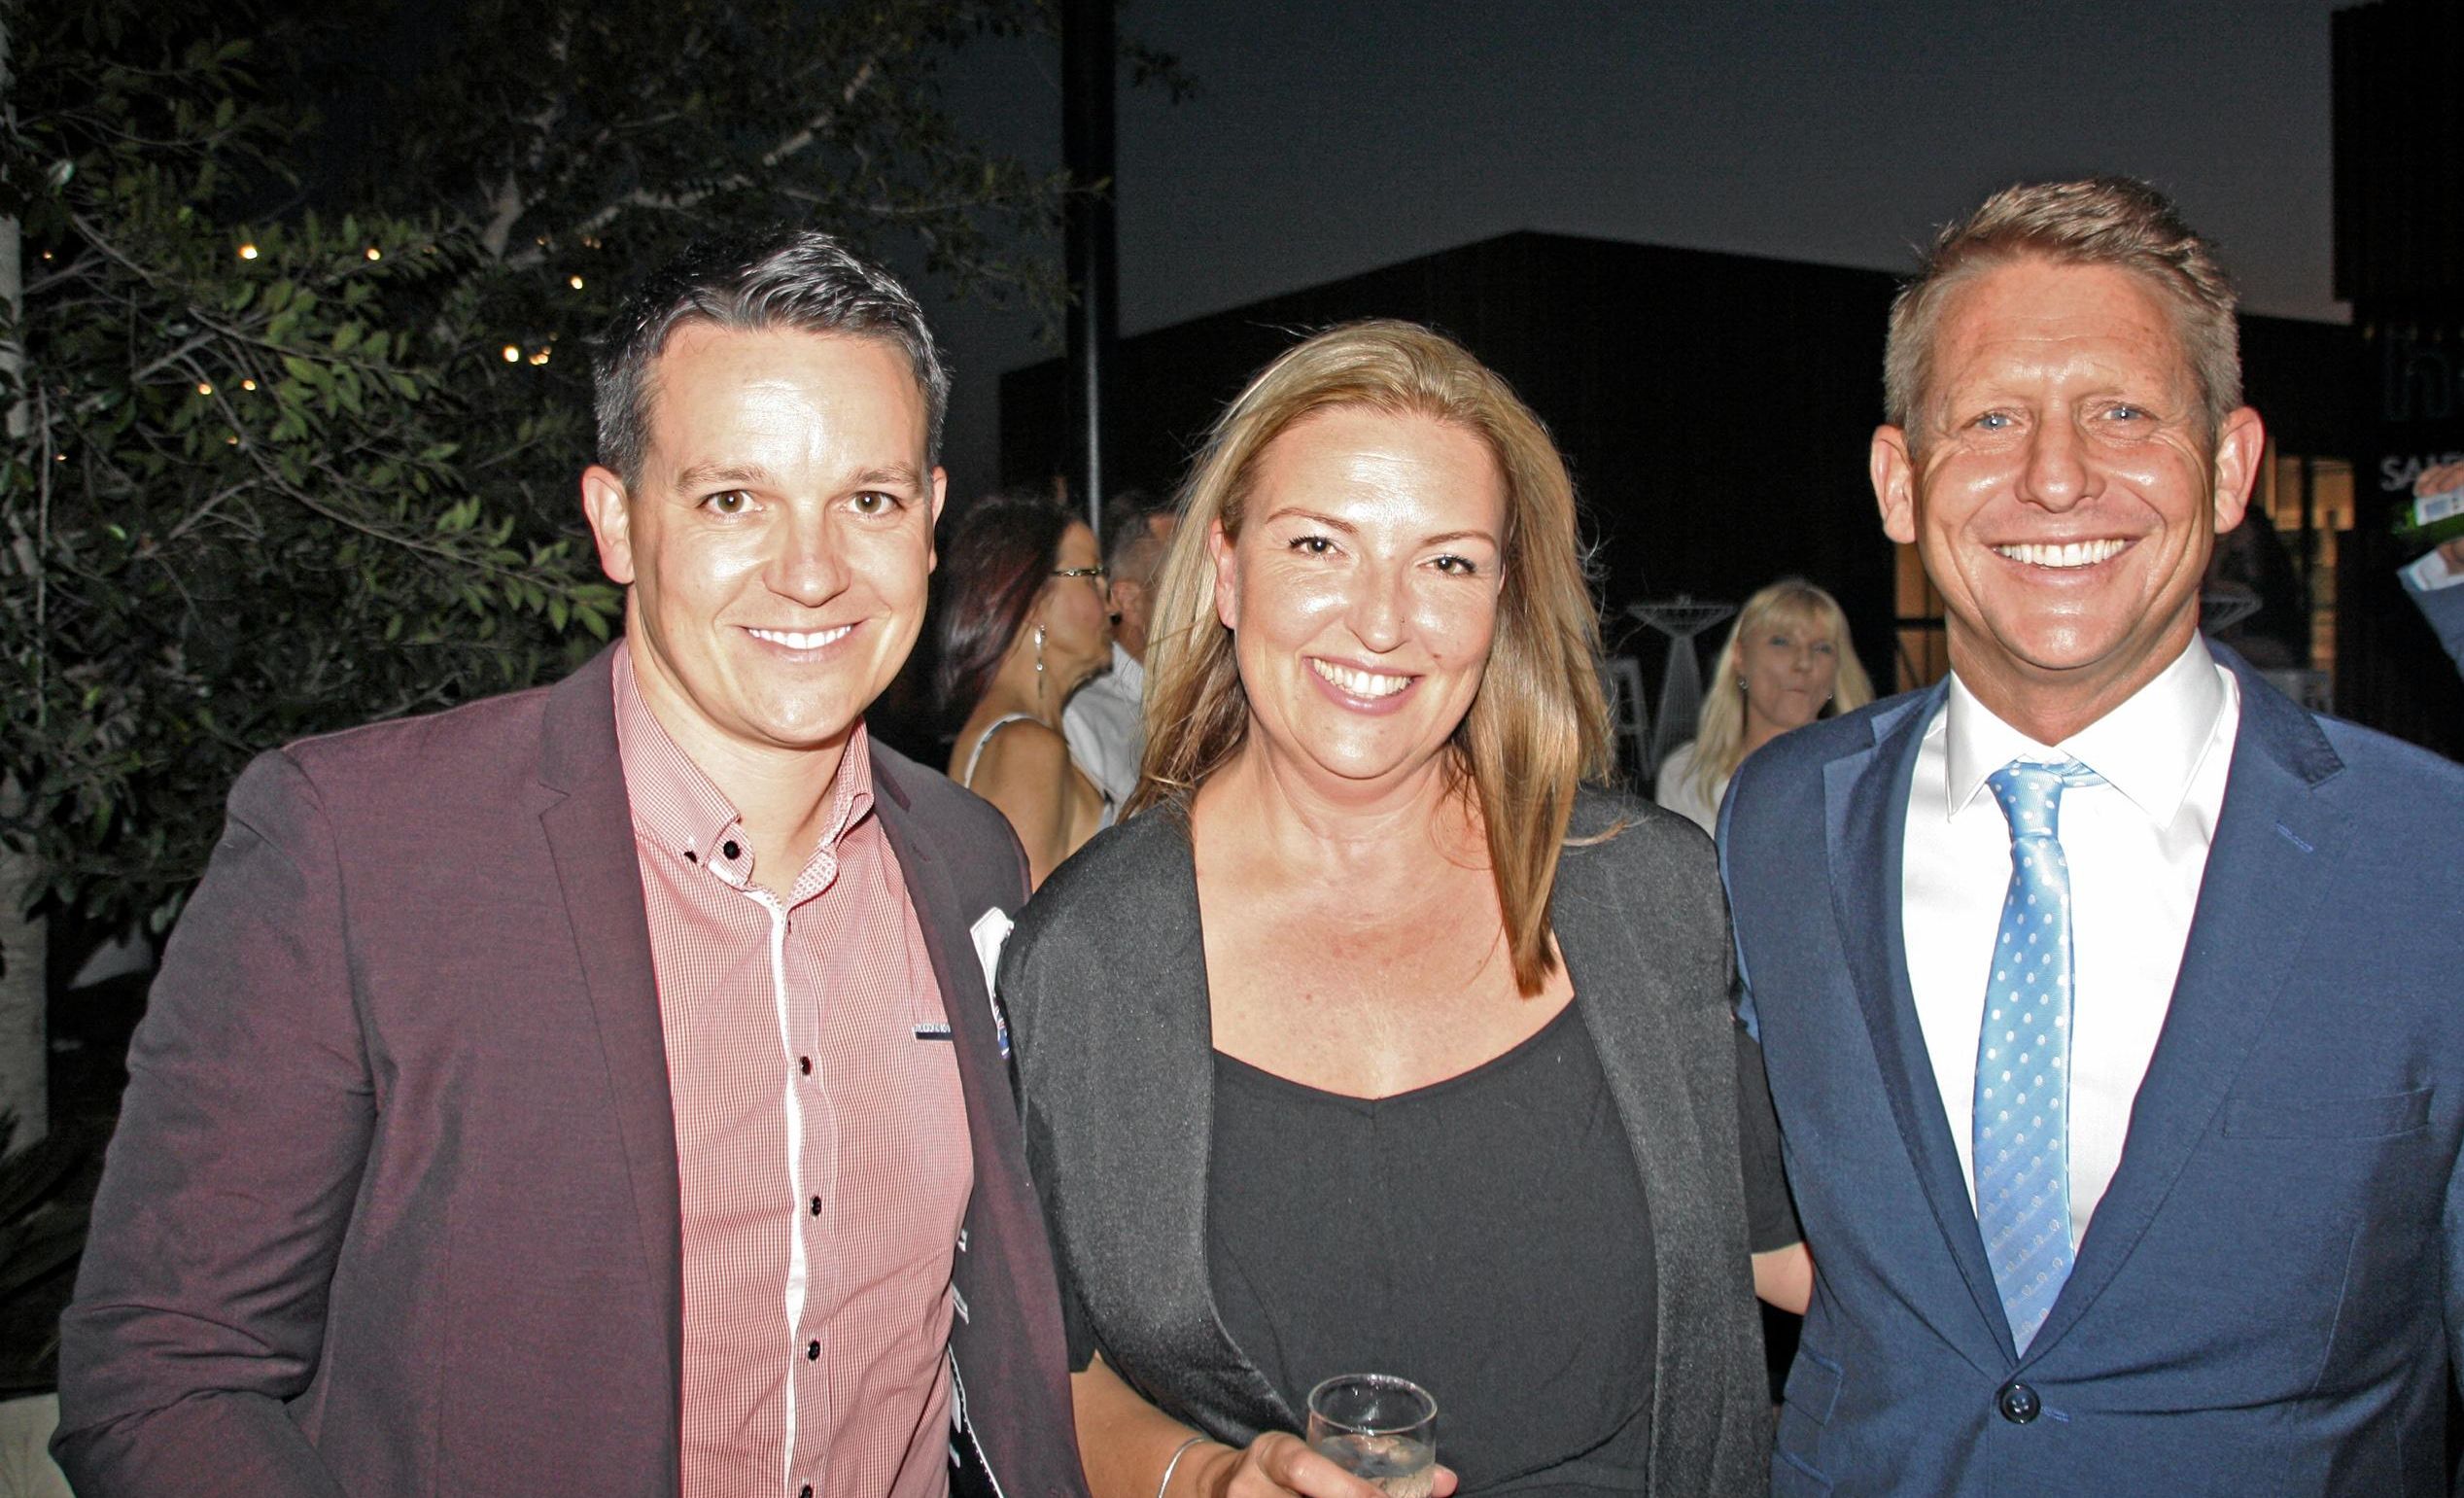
(2017,1402)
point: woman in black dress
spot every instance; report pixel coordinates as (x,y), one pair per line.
(1377,1043)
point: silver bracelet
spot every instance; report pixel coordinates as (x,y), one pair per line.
(1171,1466)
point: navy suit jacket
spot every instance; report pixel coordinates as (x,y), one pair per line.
(392,1206)
(2267,1296)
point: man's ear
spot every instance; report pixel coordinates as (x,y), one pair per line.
(940,496)
(2240,448)
(610,513)
(1893,472)
(1219,550)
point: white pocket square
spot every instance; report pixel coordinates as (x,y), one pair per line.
(990,932)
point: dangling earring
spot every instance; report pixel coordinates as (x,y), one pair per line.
(1039,665)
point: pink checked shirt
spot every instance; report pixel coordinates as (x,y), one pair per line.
(822,1140)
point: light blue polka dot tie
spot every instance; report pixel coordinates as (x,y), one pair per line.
(2022,1054)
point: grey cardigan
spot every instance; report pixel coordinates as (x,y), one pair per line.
(1105,980)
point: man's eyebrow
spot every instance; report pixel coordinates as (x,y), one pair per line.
(702,473)
(754,474)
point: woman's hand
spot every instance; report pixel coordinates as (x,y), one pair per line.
(1277,1465)
(1127,1444)
(2439,480)
(1785,1277)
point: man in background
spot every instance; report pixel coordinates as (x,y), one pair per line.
(596,1089)
(2109,999)
(1106,733)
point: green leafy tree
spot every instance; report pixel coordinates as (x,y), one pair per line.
(623,128)
(231,510)
(237,513)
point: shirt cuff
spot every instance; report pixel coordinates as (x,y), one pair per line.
(2431,573)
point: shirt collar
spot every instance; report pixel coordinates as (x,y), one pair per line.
(2149,749)
(1128,672)
(678,806)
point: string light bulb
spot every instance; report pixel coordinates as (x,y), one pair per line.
(540,358)
(376,254)
(248,250)
(575,282)
(248,384)
(512,354)
(204,388)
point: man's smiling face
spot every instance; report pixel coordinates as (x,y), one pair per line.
(777,540)
(2063,487)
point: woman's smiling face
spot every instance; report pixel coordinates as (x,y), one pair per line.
(1362,591)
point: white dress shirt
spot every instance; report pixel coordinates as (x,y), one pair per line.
(1106,734)
(2137,847)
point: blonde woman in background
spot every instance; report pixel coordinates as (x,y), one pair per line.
(1786,660)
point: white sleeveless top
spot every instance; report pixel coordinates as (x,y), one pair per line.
(976,754)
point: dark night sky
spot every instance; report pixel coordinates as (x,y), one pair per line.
(1329,138)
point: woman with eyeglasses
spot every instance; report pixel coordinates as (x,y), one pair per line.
(1023,623)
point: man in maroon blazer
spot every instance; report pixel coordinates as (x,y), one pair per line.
(596,1089)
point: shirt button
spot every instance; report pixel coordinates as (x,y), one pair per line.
(804,1064)
(812,1354)
(2017,1402)
(729,848)
(816,1206)
(806,1491)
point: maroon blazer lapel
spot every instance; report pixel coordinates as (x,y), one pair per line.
(588,824)
(1013,1398)
(984,1070)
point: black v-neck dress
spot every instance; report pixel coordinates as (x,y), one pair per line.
(1486,1237)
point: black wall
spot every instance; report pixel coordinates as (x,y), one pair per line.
(1715,408)
(2400,260)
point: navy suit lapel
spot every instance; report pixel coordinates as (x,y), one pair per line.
(1865,806)
(2275,844)
(588,824)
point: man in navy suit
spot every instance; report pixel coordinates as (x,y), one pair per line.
(2110,1000)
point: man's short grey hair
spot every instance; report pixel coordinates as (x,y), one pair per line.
(1130,549)
(2098,221)
(801,280)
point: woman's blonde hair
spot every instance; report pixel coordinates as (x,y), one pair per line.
(1538,726)
(1719,734)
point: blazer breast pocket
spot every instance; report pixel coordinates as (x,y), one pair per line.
(2327,1118)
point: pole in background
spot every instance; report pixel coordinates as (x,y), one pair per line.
(1087,52)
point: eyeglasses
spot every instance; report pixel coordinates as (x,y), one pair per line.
(1097,573)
